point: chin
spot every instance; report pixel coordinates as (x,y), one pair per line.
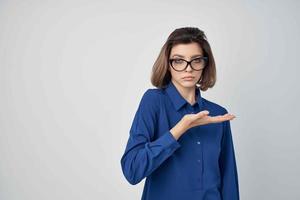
(188,84)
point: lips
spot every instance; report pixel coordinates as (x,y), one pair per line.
(188,77)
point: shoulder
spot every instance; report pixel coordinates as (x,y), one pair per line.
(151,94)
(151,98)
(214,106)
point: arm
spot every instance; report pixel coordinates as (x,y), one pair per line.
(143,154)
(229,175)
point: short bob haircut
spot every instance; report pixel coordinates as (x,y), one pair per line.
(161,75)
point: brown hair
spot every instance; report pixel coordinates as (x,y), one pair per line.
(161,75)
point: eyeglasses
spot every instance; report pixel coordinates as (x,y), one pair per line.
(179,64)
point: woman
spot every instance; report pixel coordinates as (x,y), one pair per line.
(179,140)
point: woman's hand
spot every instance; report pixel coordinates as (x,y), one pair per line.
(190,120)
(201,118)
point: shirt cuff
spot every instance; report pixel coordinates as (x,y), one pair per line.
(169,140)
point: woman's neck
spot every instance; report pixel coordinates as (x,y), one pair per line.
(187,93)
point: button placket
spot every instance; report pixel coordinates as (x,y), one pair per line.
(191,110)
(200,162)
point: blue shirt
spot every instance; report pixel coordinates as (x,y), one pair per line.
(199,165)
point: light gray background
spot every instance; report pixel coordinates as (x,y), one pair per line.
(73,72)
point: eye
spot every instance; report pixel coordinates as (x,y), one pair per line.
(198,60)
(177,61)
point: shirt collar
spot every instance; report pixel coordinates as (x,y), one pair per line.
(176,98)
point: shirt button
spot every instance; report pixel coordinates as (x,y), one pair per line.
(198,142)
(198,160)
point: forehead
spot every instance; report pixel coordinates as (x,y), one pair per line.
(186,50)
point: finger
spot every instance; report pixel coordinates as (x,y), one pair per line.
(216,119)
(229,116)
(221,118)
(202,113)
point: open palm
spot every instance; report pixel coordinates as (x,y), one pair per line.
(202,118)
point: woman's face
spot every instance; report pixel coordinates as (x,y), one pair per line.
(186,52)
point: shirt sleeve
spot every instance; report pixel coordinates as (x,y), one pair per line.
(143,154)
(228,167)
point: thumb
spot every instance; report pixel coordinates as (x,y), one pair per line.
(202,113)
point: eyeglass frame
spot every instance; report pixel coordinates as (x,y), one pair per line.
(205,58)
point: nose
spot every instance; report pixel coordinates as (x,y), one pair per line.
(189,67)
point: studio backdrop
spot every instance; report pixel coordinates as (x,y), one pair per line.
(73,72)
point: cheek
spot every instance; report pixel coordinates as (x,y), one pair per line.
(174,74)
(198,75)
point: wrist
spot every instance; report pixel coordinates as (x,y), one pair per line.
(184,124)
(179,129)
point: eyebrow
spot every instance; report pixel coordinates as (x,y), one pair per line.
(183,56)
